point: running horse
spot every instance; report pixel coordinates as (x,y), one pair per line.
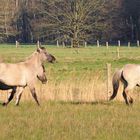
(15,77)
(129,75)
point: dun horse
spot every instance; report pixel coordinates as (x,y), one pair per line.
(15,77)
(129,75)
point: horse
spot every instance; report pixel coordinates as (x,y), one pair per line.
(19,90)
(129,76)
(14,77)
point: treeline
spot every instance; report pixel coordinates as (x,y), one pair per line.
(69,20)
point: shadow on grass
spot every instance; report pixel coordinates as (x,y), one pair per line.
(86,103)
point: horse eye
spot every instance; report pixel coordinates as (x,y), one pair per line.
(46,53)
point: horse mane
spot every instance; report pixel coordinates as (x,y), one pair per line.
(29,57)
(34,53)
(42,48)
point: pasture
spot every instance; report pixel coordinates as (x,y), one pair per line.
(73,102)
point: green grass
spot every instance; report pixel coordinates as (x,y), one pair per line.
(67,121)
(79,60)
(72,121)
(76,61)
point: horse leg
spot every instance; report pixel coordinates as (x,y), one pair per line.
(128,91)
(18,95)
(33,92)
(127,97)
(10,97)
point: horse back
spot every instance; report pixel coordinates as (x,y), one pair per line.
(131,73)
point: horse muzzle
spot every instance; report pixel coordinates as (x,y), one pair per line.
(51,58)
(44,81)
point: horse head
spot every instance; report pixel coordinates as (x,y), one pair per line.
(44,55)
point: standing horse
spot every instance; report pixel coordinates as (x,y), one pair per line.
(129,75)
(15,77)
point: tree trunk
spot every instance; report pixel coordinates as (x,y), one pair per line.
(17,3)
(75,34)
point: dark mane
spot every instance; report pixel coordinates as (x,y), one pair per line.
(42,48)
(43,68)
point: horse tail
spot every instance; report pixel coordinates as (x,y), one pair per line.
(115,83)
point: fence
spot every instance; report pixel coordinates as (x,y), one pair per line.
(102,43)
(86,44)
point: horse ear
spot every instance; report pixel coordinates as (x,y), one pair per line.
(38,46)
(38,50)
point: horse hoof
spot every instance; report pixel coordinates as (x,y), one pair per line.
(131,101)
(4,104)
(16,104)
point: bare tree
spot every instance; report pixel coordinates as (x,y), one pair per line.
(7,19)
(68,19)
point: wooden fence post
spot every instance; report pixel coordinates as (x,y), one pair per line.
(17,44)
(71,45)
(78,45)
(107,45)
(38,44)
(98,44)
(138,43)
(118,52)
(85,44)
(108,80)
(119,43)
(57,43)
(128,44)
(63,44)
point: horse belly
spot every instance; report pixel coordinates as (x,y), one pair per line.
(13,80)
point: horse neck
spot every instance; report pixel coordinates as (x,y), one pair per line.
(34,60)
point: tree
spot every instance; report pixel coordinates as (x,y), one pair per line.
(131,15)
(7,18)
(25,16)
(110,22)
(68,19)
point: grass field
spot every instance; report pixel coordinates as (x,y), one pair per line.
(67,121)
(73,102)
